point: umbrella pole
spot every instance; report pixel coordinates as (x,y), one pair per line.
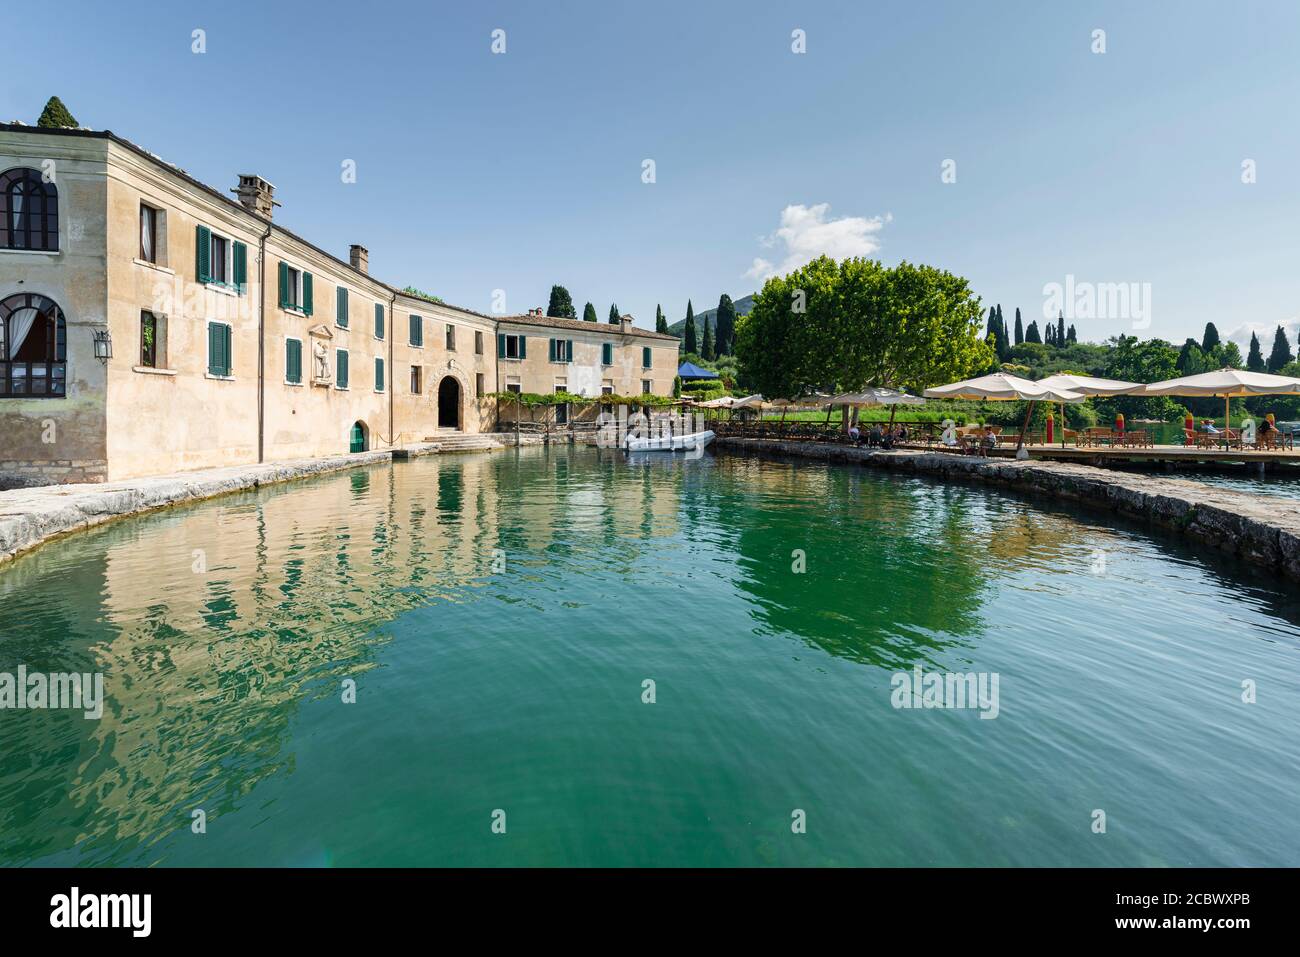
(1062,425)
(1023,426)
(1227,421)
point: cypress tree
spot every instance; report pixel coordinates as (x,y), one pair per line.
(1020,329)
(1255,359)
(725,343)
(589,313)
(661,324)
(688,342)
(1281,354)
(1032,334)
(613,314)
(1049,334)
(707,349)
(1071,337)
(1059,338)
(1210,339)
(561,304)
(56,115)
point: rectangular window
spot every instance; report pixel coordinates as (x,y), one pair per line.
(478,384)
(478,342)
(153,341)
(562,410)
(219,361)
(148,233)
(451,338)
(607,407)
(379,320)
(341,308)
(511,347)
(647,386)
(293,361)
(379,374)
(340,368)
(561,350)
(220,261)
(415,380)
(645,357)
(607,353)
(295,289)
(417,331)
(514,387)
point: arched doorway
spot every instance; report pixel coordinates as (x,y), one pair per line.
(358,437)
(449,403)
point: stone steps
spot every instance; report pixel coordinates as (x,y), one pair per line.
(461,442)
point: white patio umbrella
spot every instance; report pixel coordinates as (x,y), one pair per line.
(1001,387)
(1229,383)
(1088,385)
(875,396)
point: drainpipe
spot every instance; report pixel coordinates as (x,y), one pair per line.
(392,372)
(261,345)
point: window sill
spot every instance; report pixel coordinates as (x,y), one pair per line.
(379,392)
(416,345)
(222,289)
(32,252)
(148,265)
(342,326)
(219,378)
(296,385)
(153,370)
(294,311)
(341,388)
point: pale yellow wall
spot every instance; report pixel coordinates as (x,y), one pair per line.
(586,374)
(61,439)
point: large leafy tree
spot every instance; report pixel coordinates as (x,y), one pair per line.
(726,335)
(56,115)
(1255,358)
(843,326)
(561,304)
(688,340)
(1191,359)
(589,313)
(1134,360)
(1281,354)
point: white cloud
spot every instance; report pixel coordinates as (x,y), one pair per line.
(1265,331)
(805,233)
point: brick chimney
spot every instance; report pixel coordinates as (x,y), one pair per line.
(359,256)
(625,324)
(256,194)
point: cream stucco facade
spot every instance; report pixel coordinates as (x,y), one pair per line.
(235,341)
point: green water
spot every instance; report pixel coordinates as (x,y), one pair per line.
(226,629)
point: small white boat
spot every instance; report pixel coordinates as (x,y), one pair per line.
(669,443)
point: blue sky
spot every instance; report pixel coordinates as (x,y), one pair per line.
(478,171)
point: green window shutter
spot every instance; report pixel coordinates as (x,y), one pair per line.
(607,354)
(568,350)
(284,284)
(341,368)
(379,320)
(501,345)
(550,350)
(379,374)
(645,357)
(341,307)
(203,254)
(417,331)
(225,350)
(214,349)
(241,267)
(306,293)
(523,347)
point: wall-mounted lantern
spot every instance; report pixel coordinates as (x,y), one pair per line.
(103,346)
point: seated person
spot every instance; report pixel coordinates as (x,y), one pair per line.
(1267,432)
(988,441)
(902,433)
(1209,428)
(854,435)
(874,436)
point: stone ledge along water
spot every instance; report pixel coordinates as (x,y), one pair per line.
(1263,532)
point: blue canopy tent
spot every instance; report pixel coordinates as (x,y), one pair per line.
(689,370)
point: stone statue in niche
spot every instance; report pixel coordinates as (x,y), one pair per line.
(321,357)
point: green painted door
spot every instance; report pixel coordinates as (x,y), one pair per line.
(358,438)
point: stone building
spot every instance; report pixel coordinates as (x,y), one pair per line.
(152,324)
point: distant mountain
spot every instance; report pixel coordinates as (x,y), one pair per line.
(743,306)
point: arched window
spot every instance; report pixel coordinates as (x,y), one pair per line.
(33,348)
(29,211)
